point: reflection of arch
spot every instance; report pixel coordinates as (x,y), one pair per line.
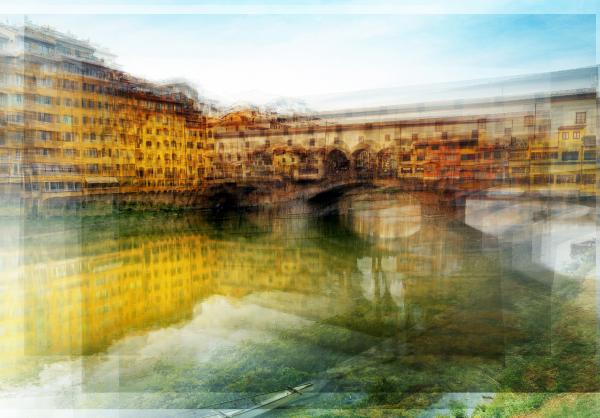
(336,163)
(387,163)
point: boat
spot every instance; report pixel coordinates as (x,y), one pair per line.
(274,401)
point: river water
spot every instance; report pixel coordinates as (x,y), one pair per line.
(388,303)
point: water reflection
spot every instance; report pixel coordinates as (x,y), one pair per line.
(382,219)
(175,311)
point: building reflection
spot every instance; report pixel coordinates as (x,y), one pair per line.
(384,269)
(75,290)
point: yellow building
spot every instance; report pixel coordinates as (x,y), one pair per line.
(76,126)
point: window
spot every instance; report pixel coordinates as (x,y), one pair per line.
(565,135)
(529,120)
(415,137)
(55,186)
(580,118)
(588,178)
(43,100)
(311,142)
(570,156)
(576,135)
(589,155)
(44,117)
(43,135)
(44,82)
(16,135)
(563,179)
(289,142)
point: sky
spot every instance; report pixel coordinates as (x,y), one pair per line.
(256,51)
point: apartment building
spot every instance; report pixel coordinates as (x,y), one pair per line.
(73,124)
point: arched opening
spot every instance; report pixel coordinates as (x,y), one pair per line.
(387,163)
(362,163)
(336,163)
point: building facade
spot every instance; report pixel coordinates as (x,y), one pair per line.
(547,142)
(74,125)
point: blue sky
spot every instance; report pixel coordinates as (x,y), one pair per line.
(258,50)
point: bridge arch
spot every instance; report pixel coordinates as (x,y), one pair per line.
(369,144)
(362,162)
(336,162)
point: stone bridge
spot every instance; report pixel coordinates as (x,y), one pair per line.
(269,191)
(259,192)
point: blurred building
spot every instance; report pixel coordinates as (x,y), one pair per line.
(543,140)
(73,125)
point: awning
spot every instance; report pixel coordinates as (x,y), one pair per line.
(101,180)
